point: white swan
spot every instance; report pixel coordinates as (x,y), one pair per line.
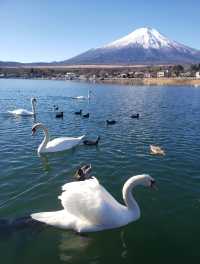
(24,112)
(57,144)
(88,207)
(81,97)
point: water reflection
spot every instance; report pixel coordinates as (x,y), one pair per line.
(124,246)
(74,247)
(45,163)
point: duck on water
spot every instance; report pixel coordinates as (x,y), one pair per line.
(111,122)
(59,114)
(78,112)
(89,142)
(83,173)
(86,115)
(136,116)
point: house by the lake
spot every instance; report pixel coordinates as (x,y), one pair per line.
(198,75)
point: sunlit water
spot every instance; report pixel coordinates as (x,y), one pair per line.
(169,227)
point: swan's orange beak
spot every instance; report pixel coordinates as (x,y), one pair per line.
(153,185)
(33,131)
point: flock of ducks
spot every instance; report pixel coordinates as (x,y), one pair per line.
(87,205)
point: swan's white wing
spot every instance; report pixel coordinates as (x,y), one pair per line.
(89,201)
(62,143)
(79,97)
(20,112)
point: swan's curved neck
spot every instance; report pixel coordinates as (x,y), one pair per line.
(45,140)
(33,107)
(127,194)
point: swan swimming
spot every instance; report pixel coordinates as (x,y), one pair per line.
(57,144)
(88,207)
(82,97)
(24,112)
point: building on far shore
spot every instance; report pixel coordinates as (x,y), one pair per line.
(83,77)
(123,75)
(70,75)
(185,74)
(198,75)
(139,74)
(147,75)
(131,74)
(160,74)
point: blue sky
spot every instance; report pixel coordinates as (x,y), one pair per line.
(41,30)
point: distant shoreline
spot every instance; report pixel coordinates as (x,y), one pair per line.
(130,81)
(111,74)
(153,81)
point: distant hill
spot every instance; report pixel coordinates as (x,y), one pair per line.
(10,64)
(144,46)
(19,64)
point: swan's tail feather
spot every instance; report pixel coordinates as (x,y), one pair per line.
(51,218)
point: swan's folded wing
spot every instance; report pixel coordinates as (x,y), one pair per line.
(63,143)
(88,200)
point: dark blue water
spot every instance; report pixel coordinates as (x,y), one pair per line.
(168,229)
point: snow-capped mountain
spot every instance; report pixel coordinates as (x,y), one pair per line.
(147,38)
(142,46)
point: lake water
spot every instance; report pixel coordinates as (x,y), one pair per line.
(169,227)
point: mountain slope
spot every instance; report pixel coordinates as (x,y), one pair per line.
(142,46)
(10,64)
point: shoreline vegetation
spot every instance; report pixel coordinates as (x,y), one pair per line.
(135,81)
(154,81)
(125,75)
(128,81)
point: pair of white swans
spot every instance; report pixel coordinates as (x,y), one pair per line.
(88,207)
(24,112)
(47,145)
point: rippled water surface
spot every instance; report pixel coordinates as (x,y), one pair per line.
(169,227)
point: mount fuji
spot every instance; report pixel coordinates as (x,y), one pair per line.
(142,46)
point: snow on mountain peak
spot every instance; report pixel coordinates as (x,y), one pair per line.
(145,37)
